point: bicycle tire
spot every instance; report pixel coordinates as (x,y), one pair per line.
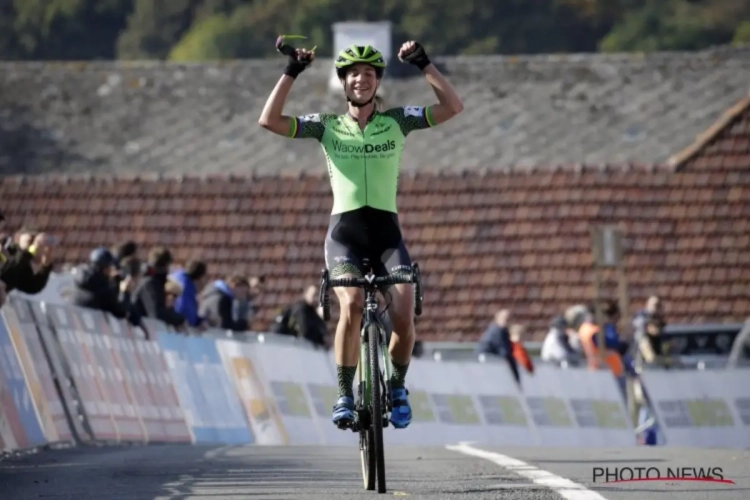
(366,438)
(376,405)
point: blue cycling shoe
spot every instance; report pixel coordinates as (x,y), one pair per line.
(343,411)
(401,413)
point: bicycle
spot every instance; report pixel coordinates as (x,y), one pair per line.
(374,394)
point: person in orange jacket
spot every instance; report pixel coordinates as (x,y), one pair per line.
(520,353)
(589,332)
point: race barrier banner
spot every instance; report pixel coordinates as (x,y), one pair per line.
(75,375)
(210,403)
(18,405)
(261,411)
(702,408)
(23,329)
(577,406)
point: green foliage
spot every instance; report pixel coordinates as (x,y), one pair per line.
(190,30)
(742,34)
(63,29)
(154,27)
(664,25)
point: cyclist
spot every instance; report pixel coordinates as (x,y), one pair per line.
(363,150)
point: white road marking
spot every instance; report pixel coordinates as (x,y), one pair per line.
(218,451)
(563,487)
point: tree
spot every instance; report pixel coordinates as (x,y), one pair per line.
(66,29)
(213,38)
(742,33)
(664,25)
(154,27)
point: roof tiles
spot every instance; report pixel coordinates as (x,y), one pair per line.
(484,240)
(149,117)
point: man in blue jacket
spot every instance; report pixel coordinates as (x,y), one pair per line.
(192,279)
(496,341)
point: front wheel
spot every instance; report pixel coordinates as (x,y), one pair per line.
(376,404)
(366,442)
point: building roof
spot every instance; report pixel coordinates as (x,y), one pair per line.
(487,239)
(145,117)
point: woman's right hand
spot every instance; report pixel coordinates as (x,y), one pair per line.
(301,59)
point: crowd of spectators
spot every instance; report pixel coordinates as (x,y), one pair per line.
(118,282)
(574,336)
(574,339)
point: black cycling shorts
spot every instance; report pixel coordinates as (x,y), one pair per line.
(365,233)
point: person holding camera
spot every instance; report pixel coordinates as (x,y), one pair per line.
(97,289)
(27,261)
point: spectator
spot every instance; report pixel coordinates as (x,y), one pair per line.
(611,313)
(650,348)
(130,269)
(121,254)
(245,308)
(305,322)
(557,347)
(150,298)
(589,333)
(172,290)
(520,354)
(575,316)
(217,303)
(27,261)
(96,289)
(191,280)
(127,249)
(648,329)
(496,341)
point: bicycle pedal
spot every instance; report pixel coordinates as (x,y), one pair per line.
(344,424)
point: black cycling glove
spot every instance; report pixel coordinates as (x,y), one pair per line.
(417,57)
(296,64)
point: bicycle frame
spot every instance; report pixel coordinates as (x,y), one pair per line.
(369,318)
(372,285)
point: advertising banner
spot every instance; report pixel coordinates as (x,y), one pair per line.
(23,407)
(260,408)
(702,408)
(219,395)
(85,372)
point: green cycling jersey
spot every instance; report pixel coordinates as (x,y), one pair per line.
(363,165)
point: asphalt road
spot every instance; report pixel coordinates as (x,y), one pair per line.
(212,473)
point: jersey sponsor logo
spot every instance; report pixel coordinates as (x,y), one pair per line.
(417,111)
(341,131)
(315,117)
(340,147)
(382,130)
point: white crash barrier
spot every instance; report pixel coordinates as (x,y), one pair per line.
(573,406)
(61,366)
(708,409)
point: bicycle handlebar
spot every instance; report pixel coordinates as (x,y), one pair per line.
(370,282)
(391,279)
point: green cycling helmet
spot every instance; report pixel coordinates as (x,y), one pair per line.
(360,54)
